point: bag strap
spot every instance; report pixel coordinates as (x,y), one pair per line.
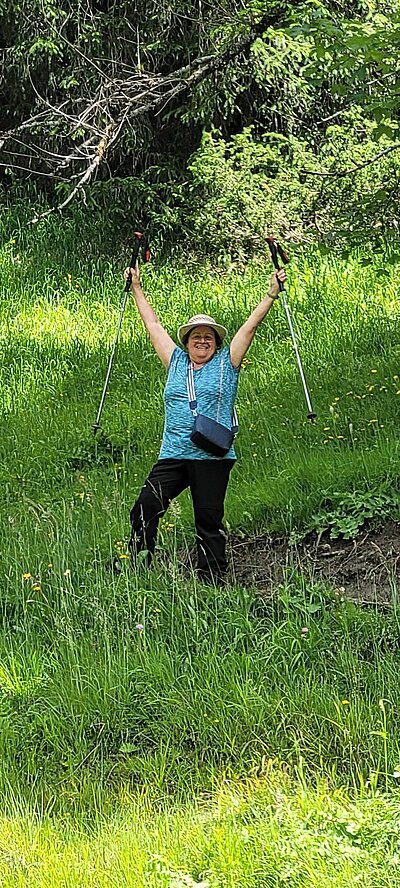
(190,388)
(192,394)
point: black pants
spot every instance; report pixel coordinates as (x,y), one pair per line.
(207,480)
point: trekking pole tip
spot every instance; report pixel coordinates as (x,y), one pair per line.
(311,416)
(95,427)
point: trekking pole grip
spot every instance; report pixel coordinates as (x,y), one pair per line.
(275,249)
(134,259)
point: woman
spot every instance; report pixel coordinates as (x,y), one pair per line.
(181,462)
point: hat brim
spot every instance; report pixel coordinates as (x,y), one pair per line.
(186,328)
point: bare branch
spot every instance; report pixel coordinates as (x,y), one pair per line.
(84,180)
(354,169)
(102,119)
(17,166)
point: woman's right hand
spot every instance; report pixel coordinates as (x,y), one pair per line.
(274,288)
(135,275)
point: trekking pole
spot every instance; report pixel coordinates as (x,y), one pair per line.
(140,241)
(275,249)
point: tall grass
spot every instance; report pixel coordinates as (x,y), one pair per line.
(149,684)
(263,834)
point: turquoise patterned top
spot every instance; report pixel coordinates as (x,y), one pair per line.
(179,419)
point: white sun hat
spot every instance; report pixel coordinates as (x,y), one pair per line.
(201,321)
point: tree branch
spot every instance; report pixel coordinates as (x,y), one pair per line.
(354,169)
(102,119)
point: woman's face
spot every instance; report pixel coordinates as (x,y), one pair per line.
(201,344)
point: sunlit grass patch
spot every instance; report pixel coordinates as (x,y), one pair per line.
(266,832)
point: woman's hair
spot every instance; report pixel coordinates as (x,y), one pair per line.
(218,339)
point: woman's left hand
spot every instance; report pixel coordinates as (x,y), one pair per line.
(276,276)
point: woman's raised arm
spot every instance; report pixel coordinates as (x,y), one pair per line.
(244,337)
(160,339)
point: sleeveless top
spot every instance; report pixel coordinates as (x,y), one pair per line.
(179,419)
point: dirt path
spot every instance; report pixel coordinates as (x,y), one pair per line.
(366,569)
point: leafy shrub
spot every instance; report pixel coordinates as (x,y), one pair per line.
(345,514)
(243,189)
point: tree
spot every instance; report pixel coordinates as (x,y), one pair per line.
(91,76)
(133,86)
(110,91)
(359,58)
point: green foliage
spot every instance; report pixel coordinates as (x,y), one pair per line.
(76,49)
(345,513)
(256,832)
(241,189)
(259,145)
(358,56)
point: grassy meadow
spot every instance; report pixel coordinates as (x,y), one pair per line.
(154,732)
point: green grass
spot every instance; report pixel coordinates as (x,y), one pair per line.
(57,325)
(238,739)
(268,832)
(211,685)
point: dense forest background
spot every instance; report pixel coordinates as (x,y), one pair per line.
(211,123)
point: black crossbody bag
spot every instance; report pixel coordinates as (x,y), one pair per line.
(209,434)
